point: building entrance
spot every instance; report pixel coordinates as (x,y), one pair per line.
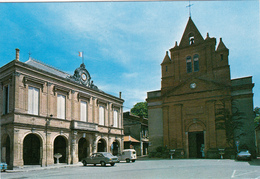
(115,148)
(60,147)
(101,145)
(31,150)
(196,144)
(83,148)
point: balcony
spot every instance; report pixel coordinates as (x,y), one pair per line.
(79,125)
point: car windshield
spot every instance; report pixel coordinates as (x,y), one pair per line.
(107,154)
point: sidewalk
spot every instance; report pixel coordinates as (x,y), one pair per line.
(28,168)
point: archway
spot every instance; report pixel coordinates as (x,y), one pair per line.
(102,145)
(83,149)
(115,148)
(60,146)
(31,150)
(6,149)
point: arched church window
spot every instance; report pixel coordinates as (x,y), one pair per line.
(191,38)
(196,62)
(189,65)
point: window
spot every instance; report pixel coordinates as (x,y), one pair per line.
(61,104)
(101,115)
(221,57)
(196,62)
(191,38)
(189,65)
(6,99)
(33,100)
(115,124)
(166,68)
(83,111)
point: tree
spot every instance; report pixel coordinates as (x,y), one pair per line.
(230,123)
(257,115)
(140,109)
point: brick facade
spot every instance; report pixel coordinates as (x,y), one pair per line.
(195,86)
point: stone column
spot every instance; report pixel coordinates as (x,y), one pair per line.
(74,155)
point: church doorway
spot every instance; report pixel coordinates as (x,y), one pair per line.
(83,149)
(60,146)
(196,144)
(101,145)
(31,150)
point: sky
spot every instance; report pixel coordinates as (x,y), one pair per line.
(124,43)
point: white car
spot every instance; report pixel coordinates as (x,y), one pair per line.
(127,155)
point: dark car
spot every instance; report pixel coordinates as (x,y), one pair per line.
(244,155)
(102,158)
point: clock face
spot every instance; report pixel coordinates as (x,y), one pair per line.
(193,85)
(84,76)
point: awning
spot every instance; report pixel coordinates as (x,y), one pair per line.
(130,139)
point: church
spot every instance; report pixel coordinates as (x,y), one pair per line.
(200,112)
(49,116)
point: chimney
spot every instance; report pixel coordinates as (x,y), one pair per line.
(17,54)
(120,94)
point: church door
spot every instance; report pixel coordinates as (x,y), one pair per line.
(196,144)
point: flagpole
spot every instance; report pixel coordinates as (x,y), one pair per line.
(83,57)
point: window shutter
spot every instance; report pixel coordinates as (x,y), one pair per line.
(30,100)
(83,111)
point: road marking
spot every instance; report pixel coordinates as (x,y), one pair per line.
(233,175)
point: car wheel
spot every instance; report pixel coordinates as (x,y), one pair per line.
(84,163)
(103,163)
(112,164)
(133,160)
(128,160)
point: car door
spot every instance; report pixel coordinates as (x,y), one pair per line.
(92,159)
(99,158)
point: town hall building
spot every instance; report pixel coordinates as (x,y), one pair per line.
(199,105)
(47,114)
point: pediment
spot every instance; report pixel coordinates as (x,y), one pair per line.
(196,85)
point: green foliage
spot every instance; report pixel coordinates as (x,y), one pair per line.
(257,115)
(230,122)
(140,109)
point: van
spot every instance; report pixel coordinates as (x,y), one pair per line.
(127,155)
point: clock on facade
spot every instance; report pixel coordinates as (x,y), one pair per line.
(84,76)
(193,85)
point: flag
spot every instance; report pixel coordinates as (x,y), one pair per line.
(80,54)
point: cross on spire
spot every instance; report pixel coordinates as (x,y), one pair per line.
(189,6)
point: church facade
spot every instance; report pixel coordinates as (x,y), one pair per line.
(47,113)
(194,111)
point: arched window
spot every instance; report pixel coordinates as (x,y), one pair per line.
(191,38)
(196,62)
(189,65)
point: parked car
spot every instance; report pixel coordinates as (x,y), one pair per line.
(244,155)
(127,155)
(102,158)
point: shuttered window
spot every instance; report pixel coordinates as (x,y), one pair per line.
(115,118)
(83,111)
(61,106)
(6,99)
(33,100)
(101,115)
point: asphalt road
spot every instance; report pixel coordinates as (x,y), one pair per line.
(185,168)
